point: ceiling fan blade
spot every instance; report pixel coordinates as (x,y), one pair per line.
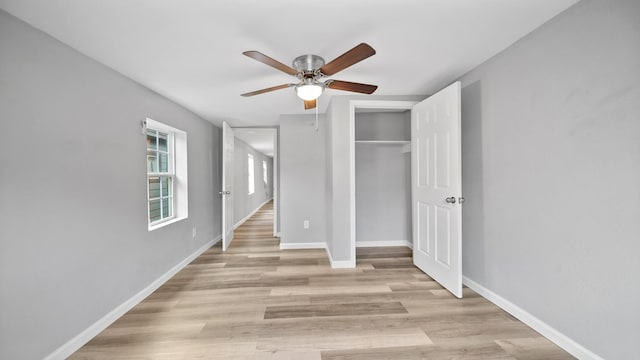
(256,55)
(347,59)
(309,104)
(273,88)
(351,86)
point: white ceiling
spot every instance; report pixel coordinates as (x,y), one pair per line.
(191,50)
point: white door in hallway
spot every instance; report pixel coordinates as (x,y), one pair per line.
(227,185)
(437,187)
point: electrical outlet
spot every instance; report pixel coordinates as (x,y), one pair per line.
(194,232)
(306,224)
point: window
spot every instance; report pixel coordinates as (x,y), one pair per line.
(166,174)
(252,186)
(264,172)
(160,175)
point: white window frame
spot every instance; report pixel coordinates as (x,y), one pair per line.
(251,181)
(177,172)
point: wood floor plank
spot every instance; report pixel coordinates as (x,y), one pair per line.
(314,290)
(351,309)
(287,355)
(532,348)
(363,339)
(474,352)
(257,302)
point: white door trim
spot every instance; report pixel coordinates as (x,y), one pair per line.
(276,183)
(227,193)
(353,105)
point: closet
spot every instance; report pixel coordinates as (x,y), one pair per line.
(383,177)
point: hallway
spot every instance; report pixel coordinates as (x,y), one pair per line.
(259,302)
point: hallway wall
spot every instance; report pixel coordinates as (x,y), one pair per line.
(243,203)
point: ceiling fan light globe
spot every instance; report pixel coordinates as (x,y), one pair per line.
(309,91)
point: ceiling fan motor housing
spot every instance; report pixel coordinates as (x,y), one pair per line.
(308,63)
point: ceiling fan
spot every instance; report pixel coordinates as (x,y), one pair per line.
(309,69)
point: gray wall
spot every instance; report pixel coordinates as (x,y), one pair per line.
(73,232)
(243,203)
(383,193)
(551,174)
(302,179)
(388,125)
(383,178)
(328,185)
(339,207)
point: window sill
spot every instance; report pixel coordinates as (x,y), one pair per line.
(165,223)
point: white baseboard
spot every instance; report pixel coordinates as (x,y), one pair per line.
(89,333)
(342,264)
(538,325)
(384,243)
(347,264)
(237,225)
(315,245)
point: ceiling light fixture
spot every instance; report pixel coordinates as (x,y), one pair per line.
(309,89)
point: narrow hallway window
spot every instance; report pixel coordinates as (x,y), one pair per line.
(251,183)
(264,172)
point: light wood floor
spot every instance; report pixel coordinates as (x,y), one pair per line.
(259,302)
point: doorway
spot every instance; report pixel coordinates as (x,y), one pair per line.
(383,177)
(252,164)
(369,135)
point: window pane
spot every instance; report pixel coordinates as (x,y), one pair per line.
(251,180)
(151,139)
(164,162)
(264,171)
(165,186)
(162,142)
(154,210)
(152,161)
(154,188)
(166,207)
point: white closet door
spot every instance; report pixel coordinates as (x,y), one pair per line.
(437,187)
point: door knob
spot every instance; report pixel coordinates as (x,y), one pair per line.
(450,200)
(224,192)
